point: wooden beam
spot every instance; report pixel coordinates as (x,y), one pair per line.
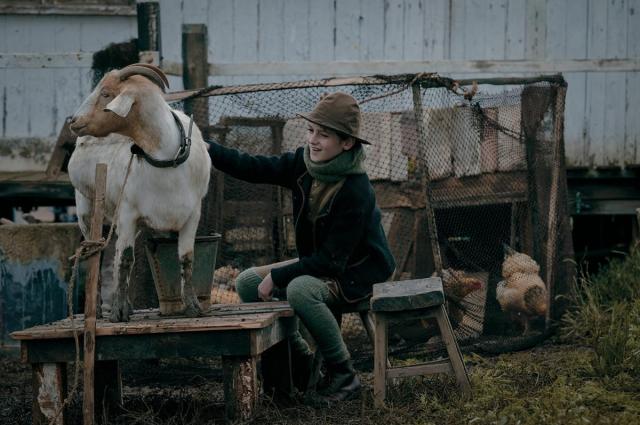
(71,9)
(343,68)
(194,69)
(46,60)
(91,297)
(424,182)
(436,366)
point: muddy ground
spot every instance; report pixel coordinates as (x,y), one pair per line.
(549,383)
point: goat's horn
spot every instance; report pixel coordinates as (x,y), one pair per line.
(136,69)
(157,71)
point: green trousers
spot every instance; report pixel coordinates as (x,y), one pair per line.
(311,299)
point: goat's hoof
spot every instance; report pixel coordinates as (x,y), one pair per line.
(120,312)
(193,310)
(118,316)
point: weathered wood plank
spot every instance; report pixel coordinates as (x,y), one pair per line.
(413,30)
(347,30)
(495,25)
(536,29)
(171,26)
(296,30)
(371,37)
(474,34)
(515,29)
(261,315)
(632,124)
(407,295)
(615,84)
(436,31)
(271,37)
(393,29)
(195,11)
(457,30)
(575,107)
(217,342)
(321,32)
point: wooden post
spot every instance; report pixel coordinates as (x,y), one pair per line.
(91,297)
(240,387)
(49,390)
(195,70)
(279,242)
(542,125)
(149,41)
(424,179)
(380,360)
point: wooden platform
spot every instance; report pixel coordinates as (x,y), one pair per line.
(238,333)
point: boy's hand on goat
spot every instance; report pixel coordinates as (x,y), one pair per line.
(265,289)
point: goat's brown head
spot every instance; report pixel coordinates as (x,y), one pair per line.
(114,99)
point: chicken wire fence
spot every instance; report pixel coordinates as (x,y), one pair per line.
(462,171)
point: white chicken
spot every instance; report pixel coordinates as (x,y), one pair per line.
(522,294)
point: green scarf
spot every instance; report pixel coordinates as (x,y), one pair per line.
(348,162)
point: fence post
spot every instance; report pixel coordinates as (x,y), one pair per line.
(149,40)
(195,70)
(422,172)
(91,298)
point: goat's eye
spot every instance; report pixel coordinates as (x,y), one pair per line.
(105,94)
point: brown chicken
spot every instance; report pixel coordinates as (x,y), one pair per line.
(456,285)
(522,294)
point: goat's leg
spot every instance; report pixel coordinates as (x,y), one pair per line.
(123,263)
(186,242)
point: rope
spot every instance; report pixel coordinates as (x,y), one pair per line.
(88,248)
(394,92)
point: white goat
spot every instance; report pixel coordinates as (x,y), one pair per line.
(127,108)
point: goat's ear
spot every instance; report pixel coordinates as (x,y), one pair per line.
(121,105)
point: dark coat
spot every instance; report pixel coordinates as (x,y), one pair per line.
(347,242)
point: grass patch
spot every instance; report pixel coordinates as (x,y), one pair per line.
(606,316)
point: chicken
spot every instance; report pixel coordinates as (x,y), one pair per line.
(522,294)
(457,285)
(225,276)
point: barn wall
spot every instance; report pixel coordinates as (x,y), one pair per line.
(601,128)
(35,100)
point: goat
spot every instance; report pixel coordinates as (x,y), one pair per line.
(127,113)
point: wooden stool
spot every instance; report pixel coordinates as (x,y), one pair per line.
(394,302)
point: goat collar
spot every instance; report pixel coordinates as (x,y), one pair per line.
(183,150)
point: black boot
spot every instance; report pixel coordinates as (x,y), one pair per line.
(340,384)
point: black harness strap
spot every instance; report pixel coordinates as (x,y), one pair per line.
(183,150)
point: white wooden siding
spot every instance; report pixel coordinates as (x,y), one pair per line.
(602,109)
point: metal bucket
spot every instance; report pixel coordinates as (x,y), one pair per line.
(162,253)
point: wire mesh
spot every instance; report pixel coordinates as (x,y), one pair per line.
(461,171)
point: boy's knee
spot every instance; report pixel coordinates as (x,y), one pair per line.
(302,290)
(247,285)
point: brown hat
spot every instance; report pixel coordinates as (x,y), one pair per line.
(340,112)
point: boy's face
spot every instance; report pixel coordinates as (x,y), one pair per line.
(324,144)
